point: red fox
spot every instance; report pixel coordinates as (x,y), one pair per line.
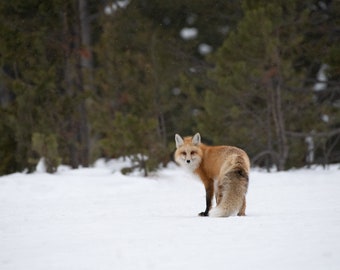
(224,171)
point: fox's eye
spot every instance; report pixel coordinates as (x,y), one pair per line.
(183,153)
(193,153)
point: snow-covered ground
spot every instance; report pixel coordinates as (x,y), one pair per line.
(98,218)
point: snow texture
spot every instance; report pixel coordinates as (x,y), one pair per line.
(97,218)
(204,49)
(322,78)
(189,33)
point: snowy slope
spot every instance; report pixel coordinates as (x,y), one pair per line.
(99,219)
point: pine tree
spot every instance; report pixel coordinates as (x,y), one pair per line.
(322,55)
(42,71)
(258,98)
(28,73)
(127,112)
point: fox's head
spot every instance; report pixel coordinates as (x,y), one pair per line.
(188,153)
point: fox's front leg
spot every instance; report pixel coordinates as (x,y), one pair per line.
(209,194)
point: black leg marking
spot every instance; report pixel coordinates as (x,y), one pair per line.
(209,192)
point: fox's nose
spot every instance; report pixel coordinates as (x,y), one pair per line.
(188,161)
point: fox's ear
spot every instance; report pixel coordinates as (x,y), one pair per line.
(179,141)
(196,140)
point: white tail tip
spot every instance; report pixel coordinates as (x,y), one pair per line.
(216,212)
(220,212)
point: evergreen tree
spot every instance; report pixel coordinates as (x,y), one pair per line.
(258,98)
(127,113)
(322,57)
(41,69)
(28,70)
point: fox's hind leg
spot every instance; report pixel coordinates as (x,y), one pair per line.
(242,211)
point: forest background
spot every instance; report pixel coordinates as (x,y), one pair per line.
(87,79)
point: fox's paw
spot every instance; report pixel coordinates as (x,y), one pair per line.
(203,214)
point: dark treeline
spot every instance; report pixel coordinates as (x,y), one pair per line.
(85,79)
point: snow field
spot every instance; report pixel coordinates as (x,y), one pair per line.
(98,218)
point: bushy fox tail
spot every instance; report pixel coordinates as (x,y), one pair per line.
(231,191)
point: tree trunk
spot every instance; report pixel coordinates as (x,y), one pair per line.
(86,61)
(76,130)
(87,75)
(268,162)
(157,88)
(282,143)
